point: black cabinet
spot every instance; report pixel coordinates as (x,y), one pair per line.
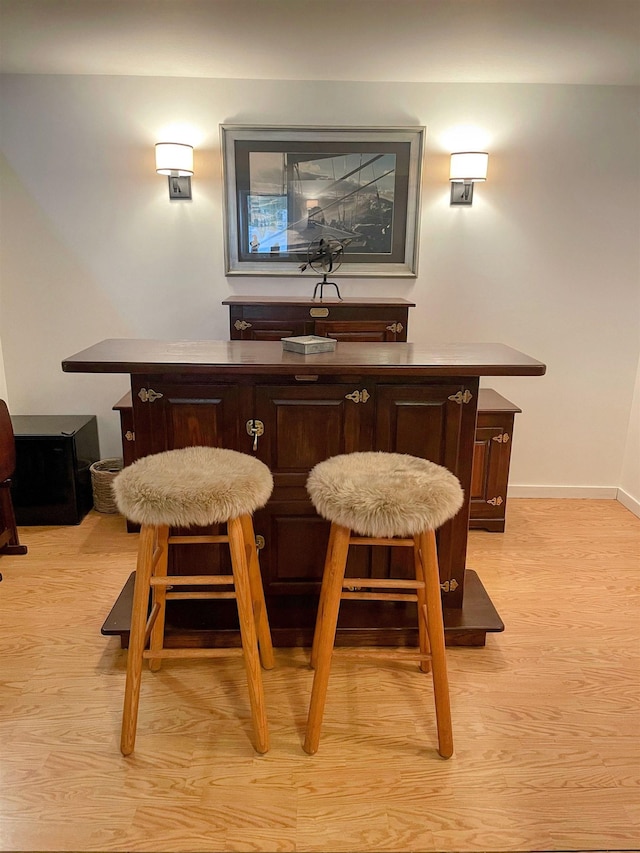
(52,480)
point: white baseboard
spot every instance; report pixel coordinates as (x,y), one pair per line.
(607,493)
(589,492)
(631,503)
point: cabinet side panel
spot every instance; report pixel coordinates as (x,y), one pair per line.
(492,453)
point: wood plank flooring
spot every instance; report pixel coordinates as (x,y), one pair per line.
(546,717)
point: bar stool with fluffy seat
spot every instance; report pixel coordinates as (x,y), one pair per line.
(376,498)
(195,486)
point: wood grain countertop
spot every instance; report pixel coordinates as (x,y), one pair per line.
(130,355)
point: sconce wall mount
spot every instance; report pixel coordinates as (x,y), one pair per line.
(175,159)
(467,167)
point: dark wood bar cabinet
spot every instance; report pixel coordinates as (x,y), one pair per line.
(292,411)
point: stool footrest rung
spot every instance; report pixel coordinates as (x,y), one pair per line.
(379,596)
(193,580)
(176,596)
(399,657)
(374,540)
(198,540)
(383,583)
(187,653)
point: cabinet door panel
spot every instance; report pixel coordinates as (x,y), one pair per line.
(417,420)
(194,423)
(481,451)
(296,541)
(305,425)
(187,415)
(491,456)
(425,421)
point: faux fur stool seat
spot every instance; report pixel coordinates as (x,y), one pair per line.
(395,500)
(195,487)
(384,494)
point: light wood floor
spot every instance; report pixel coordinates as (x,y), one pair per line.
(546,716)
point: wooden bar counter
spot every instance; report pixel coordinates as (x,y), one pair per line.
(292,411)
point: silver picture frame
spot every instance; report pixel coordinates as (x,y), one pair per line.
(286,187)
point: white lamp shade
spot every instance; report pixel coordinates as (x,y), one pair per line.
(469,166)
(174,158)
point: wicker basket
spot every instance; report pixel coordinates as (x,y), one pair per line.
(103,474)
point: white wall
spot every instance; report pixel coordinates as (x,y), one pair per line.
(546,260)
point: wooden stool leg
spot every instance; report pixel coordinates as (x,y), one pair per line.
(435,627)
(248,633)
(423,633)
(137,633)
(323,589)
(257,593)
(326,623)
(159,596)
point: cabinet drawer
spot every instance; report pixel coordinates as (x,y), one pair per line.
(373,331)
(272,330)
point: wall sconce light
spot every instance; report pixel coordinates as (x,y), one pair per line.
(466,168)
(175,159)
